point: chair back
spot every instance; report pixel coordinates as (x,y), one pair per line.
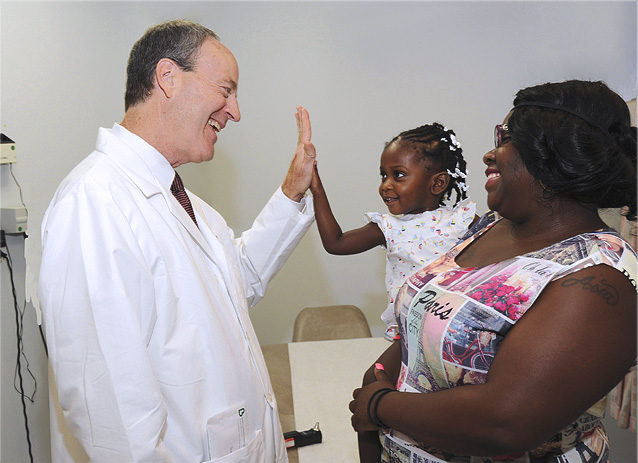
(330,322)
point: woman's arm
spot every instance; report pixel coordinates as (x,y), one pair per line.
(333,239)
(369,444)
(572,346)
(391,361)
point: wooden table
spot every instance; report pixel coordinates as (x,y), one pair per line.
(313,382)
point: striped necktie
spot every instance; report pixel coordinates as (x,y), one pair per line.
(177,188)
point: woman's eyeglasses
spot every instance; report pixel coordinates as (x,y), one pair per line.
(501,131)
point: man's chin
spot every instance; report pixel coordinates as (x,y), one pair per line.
(205,157)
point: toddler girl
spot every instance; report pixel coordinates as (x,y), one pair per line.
(420,169)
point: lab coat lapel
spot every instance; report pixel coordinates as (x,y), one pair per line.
(219,252)
(141,175)
(213,249)
(185,220)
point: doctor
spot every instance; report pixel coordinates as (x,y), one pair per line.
(146,296)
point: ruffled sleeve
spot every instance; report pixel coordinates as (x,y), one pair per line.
(379,219)
(374,217)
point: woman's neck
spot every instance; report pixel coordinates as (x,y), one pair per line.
(557,221)
(529,231)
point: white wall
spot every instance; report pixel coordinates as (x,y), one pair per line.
(365,71)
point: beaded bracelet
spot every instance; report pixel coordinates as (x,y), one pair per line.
(372,415)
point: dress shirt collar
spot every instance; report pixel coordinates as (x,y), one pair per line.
(156,162)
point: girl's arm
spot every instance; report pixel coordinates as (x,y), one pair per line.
(571,347)
(333,239)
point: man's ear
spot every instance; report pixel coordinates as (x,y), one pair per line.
(166,76)
(440,183)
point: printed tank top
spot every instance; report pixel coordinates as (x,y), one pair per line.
(452,321)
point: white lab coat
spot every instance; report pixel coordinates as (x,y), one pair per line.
(151,346)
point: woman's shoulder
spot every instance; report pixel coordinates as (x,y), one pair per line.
(484,221)
(610,238)
(591,249)
(616,252)
(606,242)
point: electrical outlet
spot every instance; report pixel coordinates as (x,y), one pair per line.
(13,219)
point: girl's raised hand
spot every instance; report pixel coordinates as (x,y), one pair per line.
(315,185)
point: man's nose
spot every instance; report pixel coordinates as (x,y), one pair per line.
(232,109)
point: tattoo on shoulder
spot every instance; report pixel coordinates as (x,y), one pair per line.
(602,288)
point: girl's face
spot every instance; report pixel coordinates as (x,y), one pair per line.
(406,183)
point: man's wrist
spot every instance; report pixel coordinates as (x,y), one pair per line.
(296,197)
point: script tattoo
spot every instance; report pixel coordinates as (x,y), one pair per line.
(603,289)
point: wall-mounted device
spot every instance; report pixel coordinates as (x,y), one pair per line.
(8,151)
(13,220)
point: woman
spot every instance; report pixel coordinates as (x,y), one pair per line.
(536,310)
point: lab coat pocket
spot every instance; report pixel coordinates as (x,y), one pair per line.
(230,439)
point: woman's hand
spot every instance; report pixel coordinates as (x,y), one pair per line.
(369,444)
(361,403)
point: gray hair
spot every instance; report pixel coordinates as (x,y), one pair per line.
(178,40)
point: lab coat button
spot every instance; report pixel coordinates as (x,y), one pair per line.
(269,397)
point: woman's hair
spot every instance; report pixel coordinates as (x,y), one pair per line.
(178,40)
(438,145)
(575,138)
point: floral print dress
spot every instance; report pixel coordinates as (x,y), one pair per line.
(452,321)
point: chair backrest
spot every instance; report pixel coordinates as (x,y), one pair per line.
(330,322)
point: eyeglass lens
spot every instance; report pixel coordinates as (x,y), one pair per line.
(499,132)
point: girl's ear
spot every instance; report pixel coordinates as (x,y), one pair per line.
(439,184)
